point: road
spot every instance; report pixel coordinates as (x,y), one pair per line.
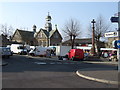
(27,72)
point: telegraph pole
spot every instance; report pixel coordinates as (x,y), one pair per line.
(117,20)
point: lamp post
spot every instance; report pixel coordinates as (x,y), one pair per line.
(93,38)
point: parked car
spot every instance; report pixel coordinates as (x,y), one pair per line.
(5,52)
(75,54)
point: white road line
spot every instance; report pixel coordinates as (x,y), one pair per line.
(58,63)
(53,63)
(40,62)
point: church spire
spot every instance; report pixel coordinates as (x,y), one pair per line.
(48,25)
(48,13)
(48,18)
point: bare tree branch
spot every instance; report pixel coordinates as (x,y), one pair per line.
(72,29)
(6,30)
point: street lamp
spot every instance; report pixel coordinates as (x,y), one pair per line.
(93,38)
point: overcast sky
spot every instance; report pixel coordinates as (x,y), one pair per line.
(26,14)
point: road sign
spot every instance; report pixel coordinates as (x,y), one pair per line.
(111,34)
(118,43)
(114,19)
(115,44)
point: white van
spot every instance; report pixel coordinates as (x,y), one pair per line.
(18,49)
(38,51)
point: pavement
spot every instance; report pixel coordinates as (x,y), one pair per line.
(108,76)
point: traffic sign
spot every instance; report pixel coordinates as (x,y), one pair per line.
(114,19)
(115,44)
(111,34)
(118,43)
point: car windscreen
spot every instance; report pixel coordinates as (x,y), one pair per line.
(5,49)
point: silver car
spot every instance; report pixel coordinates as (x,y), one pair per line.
(5,52)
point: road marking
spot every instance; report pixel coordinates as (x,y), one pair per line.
(52,63)
(58,63)
(40,62)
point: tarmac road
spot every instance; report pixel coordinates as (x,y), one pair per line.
(26,72)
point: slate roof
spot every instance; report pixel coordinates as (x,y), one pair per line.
(52,32)
(80,41)
(46,33)
(25,34)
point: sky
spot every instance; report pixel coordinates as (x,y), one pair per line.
(23,15)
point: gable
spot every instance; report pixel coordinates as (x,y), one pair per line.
(56,35)
(41,35)
(16,35)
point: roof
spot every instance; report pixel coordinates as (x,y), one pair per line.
(80,41)
(46,32)
(52,32)
(25,34)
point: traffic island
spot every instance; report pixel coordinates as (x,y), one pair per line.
(99,75)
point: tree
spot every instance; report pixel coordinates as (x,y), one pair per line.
(101,27)
(72,30)
(6,30)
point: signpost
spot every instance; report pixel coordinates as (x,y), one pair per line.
(111,34)
(114,19)
(117,20)
(119,36)
(118,44)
